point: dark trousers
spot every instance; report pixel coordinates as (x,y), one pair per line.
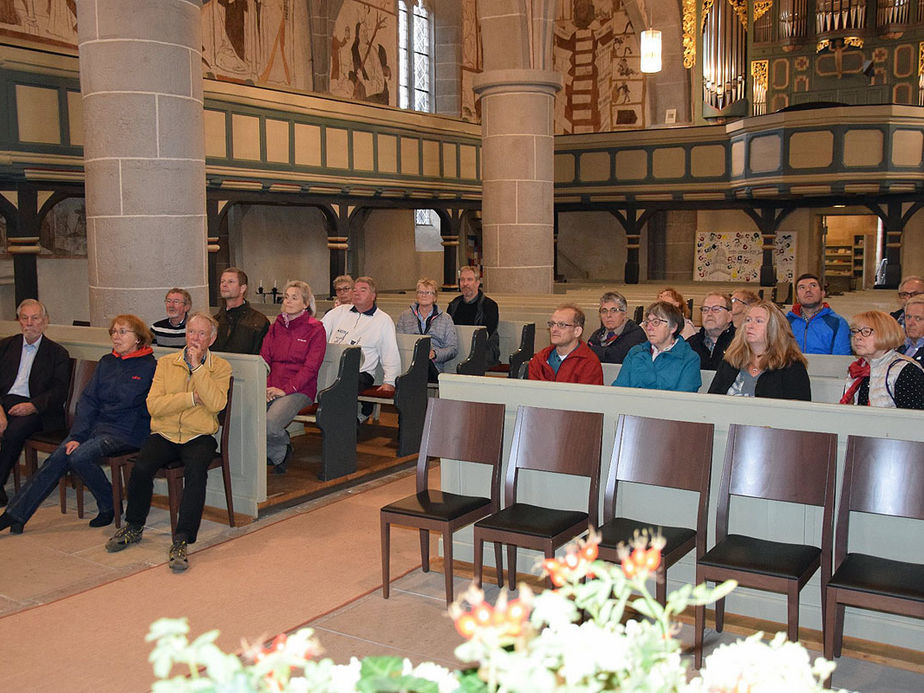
(18,430)
(366,380)
(157,452)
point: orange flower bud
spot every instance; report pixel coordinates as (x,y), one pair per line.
(466,626)
(482,613)
(652,559)
(572,560)
(590,551)
(629,567)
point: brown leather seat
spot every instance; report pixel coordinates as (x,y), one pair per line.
(675,454)
(885,477)
(778,465)
(544,440)
(455,430)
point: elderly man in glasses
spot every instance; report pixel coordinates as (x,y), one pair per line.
(171,331)
(716,333)
(913,346)
(567,359)
(908,289)
(618,333)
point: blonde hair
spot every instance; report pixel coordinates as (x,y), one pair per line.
(429,284)
(305,292)
(782,348)
(887,332)
(677,296)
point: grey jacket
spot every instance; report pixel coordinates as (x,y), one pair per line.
(439,326)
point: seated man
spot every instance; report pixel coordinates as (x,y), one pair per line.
(817,328)
(343,290)
(741,300)
(716,333)
(909,288)
(567,359)
(34,375)
(474,308)
(914,329)
(189,389)
(618,332)
(241,329)
(171,331)
(365,324)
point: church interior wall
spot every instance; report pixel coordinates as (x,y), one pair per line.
(591,246)
(913,245)
(389,252)
(63,287)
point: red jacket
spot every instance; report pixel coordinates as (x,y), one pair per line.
(294,354)
(581,366)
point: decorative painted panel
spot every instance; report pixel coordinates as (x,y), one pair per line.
(364,48)
(736,256)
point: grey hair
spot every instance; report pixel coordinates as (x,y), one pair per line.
(614,297)
(33,302)
(204,316)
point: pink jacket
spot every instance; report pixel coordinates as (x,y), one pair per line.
(294,354)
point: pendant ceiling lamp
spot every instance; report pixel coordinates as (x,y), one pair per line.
(651,51)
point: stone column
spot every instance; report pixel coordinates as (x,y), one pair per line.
(144,156)
(517,92)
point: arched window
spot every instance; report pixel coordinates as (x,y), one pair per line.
(415,56)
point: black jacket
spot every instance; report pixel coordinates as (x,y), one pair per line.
(49,378)
(616,350)
(707,361)
(240,330)
(791,382)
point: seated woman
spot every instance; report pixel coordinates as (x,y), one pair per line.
(293,349)
(763,359)
(882,377)
(665,361)
(675,298)
(424,317)
(112,419)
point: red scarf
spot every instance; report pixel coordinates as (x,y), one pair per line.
(858,370)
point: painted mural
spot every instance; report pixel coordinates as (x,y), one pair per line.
(50,21)
(256,42)
(471,60)
(735,256)
(596,51)
(364,47)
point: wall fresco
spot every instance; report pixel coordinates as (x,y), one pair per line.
(735,256)
(365,40)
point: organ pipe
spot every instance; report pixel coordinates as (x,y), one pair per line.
(725,60)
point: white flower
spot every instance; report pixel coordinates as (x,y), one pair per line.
(445,679)
(343,677)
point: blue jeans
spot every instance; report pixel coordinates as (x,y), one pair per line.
(279,414)
(84,461)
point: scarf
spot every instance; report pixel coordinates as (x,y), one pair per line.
(858,370)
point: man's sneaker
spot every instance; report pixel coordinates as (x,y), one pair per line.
(129,534)
(177,559)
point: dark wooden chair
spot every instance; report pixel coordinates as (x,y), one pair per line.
(885,477)
(173,473)
(545,440)
(466,431)
(780,465)
(477,360)
(675,454)
(523,353)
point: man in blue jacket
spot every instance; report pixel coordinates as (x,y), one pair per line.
(817,328)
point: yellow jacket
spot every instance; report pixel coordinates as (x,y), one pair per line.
(174,412)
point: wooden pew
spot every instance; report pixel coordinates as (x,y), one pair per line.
(517,345)
(473,351)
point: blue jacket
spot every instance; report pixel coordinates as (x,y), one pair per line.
(113,403)
(825,333)
(677,369)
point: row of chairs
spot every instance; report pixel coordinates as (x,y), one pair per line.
(882,476)
(121,465)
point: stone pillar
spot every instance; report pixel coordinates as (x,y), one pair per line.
(517,92)
(144,156)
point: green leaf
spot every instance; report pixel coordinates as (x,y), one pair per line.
(644,608)
(470,682)
(381,666)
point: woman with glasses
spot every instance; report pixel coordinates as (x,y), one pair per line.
(294,349)
(112,419)
(665,361)
(425,317)
(618,333)
(763,359)
(881,377)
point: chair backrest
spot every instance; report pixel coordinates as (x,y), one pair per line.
(223,417)
(658,452)
(881,476)
(475,360)
(555,440)
(781,465)
(466,431)
(81,374)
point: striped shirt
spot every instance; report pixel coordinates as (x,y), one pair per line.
(167,335)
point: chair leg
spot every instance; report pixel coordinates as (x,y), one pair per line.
(116,473)
(792,629)
(719,615)
(174,496)
(424,549)
(829,624)
(499,562)
(661,584)
(477,559)
(62,493)
(698,627)
(229,501)
(16,476)
(447,565)
(386,555)
(511,566)
(838,630)
(78,489)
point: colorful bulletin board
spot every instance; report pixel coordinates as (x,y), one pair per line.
(735,256)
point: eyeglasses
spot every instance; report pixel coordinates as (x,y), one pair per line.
(121,331)
(655,322)
(426,293)
(865,331)
(712,309)
(611,311)
(905,295)
(560,325)
(734,299)
(175,301)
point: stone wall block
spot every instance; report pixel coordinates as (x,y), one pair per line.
(163,187)
(519,280)
(180,128)
(132,66)
(508,157)
(173,21)
(165,252)
(516,113)
(508,41)
(103,188)
(86,20)
(544,147)
(534,202)
(499,203)
(124,125)
(531,245)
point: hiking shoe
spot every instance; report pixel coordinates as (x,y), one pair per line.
(129,534)
(177,559)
